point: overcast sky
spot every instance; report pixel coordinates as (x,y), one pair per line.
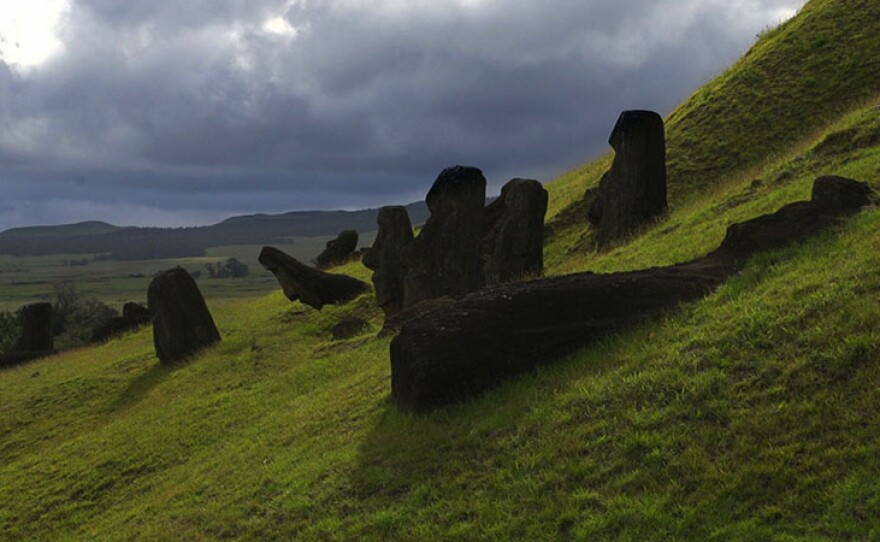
(179,112)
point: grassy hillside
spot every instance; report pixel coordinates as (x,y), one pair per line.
(751,415)
(795,80)
(747,415)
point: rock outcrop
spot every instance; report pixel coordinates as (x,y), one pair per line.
(134,315)
(348,328)
(463,348)
(445,257)
(339,250)
(182,323)
(513,245)
(313,287)
(384,258)
(633,191)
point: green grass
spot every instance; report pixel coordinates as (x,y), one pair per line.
(747,416)
(26,279)
(698,226)
(750,415)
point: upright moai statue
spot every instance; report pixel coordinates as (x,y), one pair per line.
(384,258)
(633,191)
(36,329)
(182,323)
(444,260)
(338,251)
(513,245)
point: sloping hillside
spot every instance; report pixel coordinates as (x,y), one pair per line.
(795,80)
(751,415)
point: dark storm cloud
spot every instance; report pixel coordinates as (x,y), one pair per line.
(198,109)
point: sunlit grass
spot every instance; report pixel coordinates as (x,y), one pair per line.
(750,415)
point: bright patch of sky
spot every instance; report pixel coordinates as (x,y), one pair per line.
(786,13)
(28,30)
(280,27)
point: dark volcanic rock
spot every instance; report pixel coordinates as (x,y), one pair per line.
(307,284)
(339,250)
(111,328)
(348,328)
(134,315)
(182,324)
(832,198)
(473,343)
(36,329)
(633,191)
(513,246)
(396,321)
(445,258)
(384,258)
(832,192)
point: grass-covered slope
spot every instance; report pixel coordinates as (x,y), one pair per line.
(847,147)
(751,415)
(747,415)
(795,80)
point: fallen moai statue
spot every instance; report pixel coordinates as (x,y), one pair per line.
(307,284)
(474,343)
(36,340)
(339,250)
(182,323)
(134,315)
(633,191)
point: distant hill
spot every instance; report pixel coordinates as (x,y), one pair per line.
(134,243)
(93,227)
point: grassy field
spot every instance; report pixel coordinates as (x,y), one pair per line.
(28,279)
(750,415)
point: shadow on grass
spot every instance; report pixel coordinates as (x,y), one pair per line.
(140,387)
(407,456)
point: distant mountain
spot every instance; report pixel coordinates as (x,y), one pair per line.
(65,230)
(134,243)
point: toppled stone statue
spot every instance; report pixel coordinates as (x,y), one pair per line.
(513,245)
(182,323)
(473,343)
(36,329)
(633,191)
(339,250)
(307,284)
(134,315)
(384,258)
(831,197)
(445,257)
